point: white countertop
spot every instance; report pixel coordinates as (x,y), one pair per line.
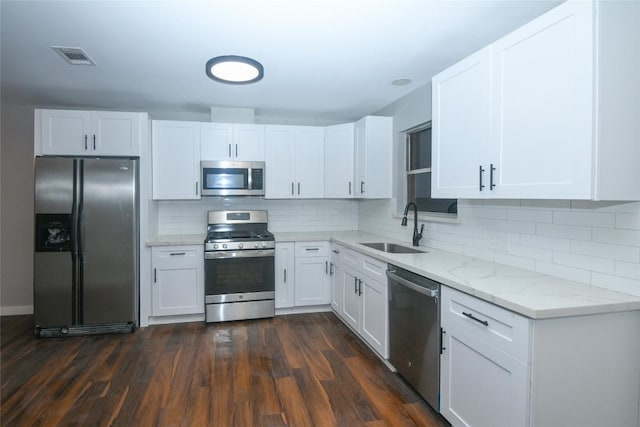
(525,292)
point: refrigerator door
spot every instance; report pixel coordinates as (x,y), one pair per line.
(108,239)
(54,259)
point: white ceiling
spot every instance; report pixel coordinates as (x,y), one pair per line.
(326,60)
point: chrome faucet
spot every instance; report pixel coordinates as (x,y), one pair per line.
(416,236)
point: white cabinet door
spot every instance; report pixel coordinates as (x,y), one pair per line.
(178,280)
(352,307)
(248,142)
(374,325)
(309,162)
(543,84)
(115,133)
(285,274)
(279,162)
(64,132)
(461,127)
(312,281)
(216,141)
(339,151)
(176,160)
(481,385)
(374,153)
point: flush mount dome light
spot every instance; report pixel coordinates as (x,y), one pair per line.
(235,70)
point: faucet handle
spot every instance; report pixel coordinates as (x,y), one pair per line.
(421,230)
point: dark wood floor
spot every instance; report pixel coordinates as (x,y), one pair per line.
(296,370)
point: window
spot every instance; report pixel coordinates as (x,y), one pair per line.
(419,173)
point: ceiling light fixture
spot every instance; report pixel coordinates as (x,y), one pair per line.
(235,70)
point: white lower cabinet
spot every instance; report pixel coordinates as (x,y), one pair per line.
(499,368)
(302,274)
(312,286)
(177,286)
(362,304)
(285,274)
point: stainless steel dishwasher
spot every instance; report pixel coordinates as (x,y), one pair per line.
(414,331)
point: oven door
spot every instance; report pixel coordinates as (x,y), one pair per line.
(234,276)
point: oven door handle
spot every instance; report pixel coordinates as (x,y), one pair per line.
(240,254)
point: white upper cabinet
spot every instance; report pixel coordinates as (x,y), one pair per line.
(175,147)
(373,157)
(234,142)
(339,148)
(460,126)
(294,157)
(549,111)
(88,133)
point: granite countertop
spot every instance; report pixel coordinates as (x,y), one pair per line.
(531,294)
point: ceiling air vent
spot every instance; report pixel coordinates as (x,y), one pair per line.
(74,55)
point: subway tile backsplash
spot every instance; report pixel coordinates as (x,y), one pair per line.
(190,217)
(590,242)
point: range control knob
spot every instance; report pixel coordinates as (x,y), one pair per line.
(256,245)
(224,246)
(215,246)
(264,244)
(240,245)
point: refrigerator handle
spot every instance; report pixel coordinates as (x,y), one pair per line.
(79,194)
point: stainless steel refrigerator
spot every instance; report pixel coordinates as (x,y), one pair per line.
(86,245)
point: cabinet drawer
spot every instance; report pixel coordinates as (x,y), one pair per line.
(351,258)
(177,256)
(312,249)
(337,253)
(373,268)
(487,322)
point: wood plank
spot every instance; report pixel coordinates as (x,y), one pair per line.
(297,370)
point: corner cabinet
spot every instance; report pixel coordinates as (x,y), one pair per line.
(549,111)
(499,368)
(175,147)
(373,157)
(88,133)
(294,157)
(177,286)
(361,302)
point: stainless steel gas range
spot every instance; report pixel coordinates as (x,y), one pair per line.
(239,254)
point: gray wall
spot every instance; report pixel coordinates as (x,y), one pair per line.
(16,240)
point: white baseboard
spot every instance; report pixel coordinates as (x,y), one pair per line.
(14,310)
(302,310)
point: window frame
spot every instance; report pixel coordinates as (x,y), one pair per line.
(405,153)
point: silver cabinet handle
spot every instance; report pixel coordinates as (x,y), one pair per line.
(229,150)
(292,188)
(311,249)
(94,141)
(326,267)
(86,147)
(177,253)
(197,188)
(236,150)
(359,287)
(298,188)
(481,172)
(355,285)
(331,268)
(361,187)
(349,187)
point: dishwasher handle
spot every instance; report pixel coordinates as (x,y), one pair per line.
(433,293)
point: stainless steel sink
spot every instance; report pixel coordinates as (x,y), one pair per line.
(391,248)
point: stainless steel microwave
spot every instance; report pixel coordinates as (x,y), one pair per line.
(224,178)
